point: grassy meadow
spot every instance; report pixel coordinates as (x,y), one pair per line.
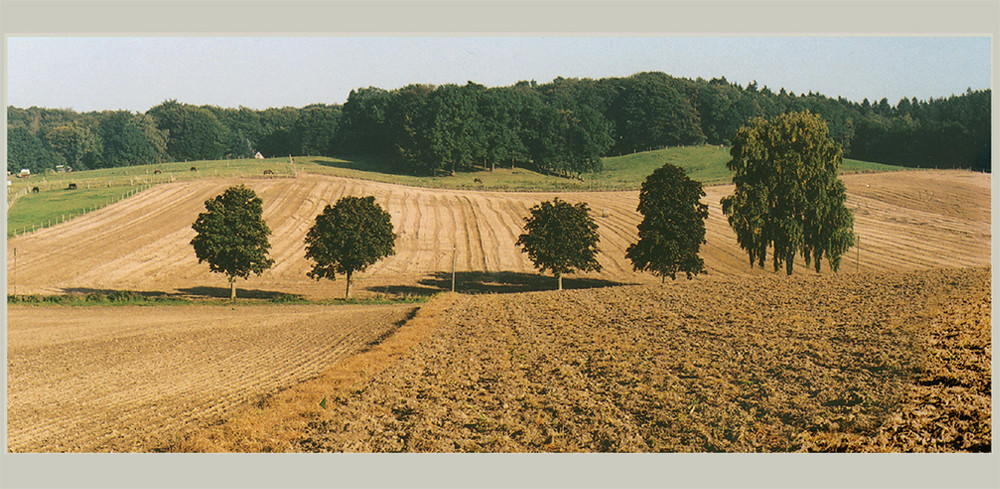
(706,164)
(46,208)
(97,188)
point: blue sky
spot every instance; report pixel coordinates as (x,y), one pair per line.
(136,73)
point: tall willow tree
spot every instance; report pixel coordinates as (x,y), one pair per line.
(788,196)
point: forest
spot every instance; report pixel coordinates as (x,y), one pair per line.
(563,127)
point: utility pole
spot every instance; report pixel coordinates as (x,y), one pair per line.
(857,262)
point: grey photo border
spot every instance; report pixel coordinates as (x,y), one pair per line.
(494,18)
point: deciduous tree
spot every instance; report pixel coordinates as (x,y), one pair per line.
(673,225)
(348,237)
(232,235)
(130,139)
(561,237)
(193,133)
(28,151)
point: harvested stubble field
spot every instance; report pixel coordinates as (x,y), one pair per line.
(906,220)
(741,335)
(739,365)
(86,379)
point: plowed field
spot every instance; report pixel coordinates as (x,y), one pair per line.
(735,365)
(906,221)
(134,378)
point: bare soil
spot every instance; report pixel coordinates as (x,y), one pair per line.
(892,362)
(112,379)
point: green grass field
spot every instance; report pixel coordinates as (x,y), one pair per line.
(858,166)
(706,164)
(35,211)
(146,174)
(96,188)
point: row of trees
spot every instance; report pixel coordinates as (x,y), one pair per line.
(354,233)
(562,127)
(345,238)
(788,198)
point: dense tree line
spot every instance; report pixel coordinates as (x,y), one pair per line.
(562,127)
(40,138)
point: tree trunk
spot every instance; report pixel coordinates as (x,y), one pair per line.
(232,288)
(347,291)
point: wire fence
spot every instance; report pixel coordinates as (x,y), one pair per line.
(135,183)
(63,217)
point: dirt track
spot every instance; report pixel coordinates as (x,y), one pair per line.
(133,378)
(906,221)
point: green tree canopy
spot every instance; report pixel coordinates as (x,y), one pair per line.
(561,237)
(788,195)
(673,225)
(77,143)
(348,237)
(26,150)
(315,128)
(193,133)
(131,139)
(232,235)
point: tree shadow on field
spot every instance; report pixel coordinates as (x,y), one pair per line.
(116,292)
(405,290)
(363,164)
(497,283)
(241,293)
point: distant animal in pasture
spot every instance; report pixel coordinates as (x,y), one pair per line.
(194,168)
(478,180)
(72,186)
(157,172)
(34,190)
(269,172)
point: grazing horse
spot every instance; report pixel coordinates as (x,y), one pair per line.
(477,180)
(157,172)
(72,186)
(34,190)
(194,168)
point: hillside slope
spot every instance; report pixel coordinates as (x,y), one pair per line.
(906,221)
